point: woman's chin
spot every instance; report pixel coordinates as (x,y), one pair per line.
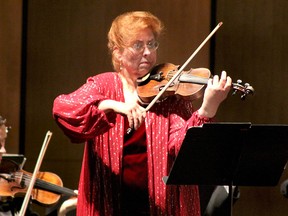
(144,69)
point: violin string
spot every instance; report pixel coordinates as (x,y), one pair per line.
(44,184)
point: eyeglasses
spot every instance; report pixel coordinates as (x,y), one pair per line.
(139,46)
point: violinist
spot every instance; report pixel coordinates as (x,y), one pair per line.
(122,173)
(3,135)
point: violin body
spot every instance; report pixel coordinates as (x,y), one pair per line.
(152,83)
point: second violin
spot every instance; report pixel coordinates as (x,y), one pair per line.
(47,191)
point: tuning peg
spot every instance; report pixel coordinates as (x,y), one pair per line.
(234,91)
(243,96)
(249,89)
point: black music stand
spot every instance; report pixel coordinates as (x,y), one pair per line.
(11,162)
(230,154)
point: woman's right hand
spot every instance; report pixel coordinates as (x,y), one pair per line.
(134,112)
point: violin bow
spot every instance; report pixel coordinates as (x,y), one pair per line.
(182,68)
(34,176)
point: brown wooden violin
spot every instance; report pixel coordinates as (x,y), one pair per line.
(48,186)
(189,84)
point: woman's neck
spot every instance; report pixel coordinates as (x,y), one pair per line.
(129,88)
(129,84)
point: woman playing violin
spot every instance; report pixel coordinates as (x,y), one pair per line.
(122,173)
(3,135)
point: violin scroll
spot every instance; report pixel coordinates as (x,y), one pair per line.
(245,89)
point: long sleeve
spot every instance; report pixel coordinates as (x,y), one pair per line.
(79,117)
(77,113)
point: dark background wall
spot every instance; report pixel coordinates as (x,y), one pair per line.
(253,46)
(10,67)
(61,43)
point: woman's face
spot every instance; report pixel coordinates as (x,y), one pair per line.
(140,56)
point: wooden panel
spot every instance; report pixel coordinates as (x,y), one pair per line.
(252,46)
(10,68)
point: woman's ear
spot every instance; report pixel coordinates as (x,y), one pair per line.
(117,53)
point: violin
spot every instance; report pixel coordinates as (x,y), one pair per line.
(48,187)
(47,190)
(189,84)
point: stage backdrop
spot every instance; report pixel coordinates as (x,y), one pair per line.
(64,42)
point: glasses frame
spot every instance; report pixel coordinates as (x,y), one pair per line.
(139,46)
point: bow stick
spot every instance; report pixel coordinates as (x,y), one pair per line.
(34,176)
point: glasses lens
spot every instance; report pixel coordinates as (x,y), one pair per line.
(153,45)
(139,46)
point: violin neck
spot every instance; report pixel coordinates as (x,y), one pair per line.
(188,78)
(44,185)
(53,188)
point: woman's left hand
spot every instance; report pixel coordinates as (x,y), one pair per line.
(215,93)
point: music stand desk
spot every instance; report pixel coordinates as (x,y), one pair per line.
(230,154)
